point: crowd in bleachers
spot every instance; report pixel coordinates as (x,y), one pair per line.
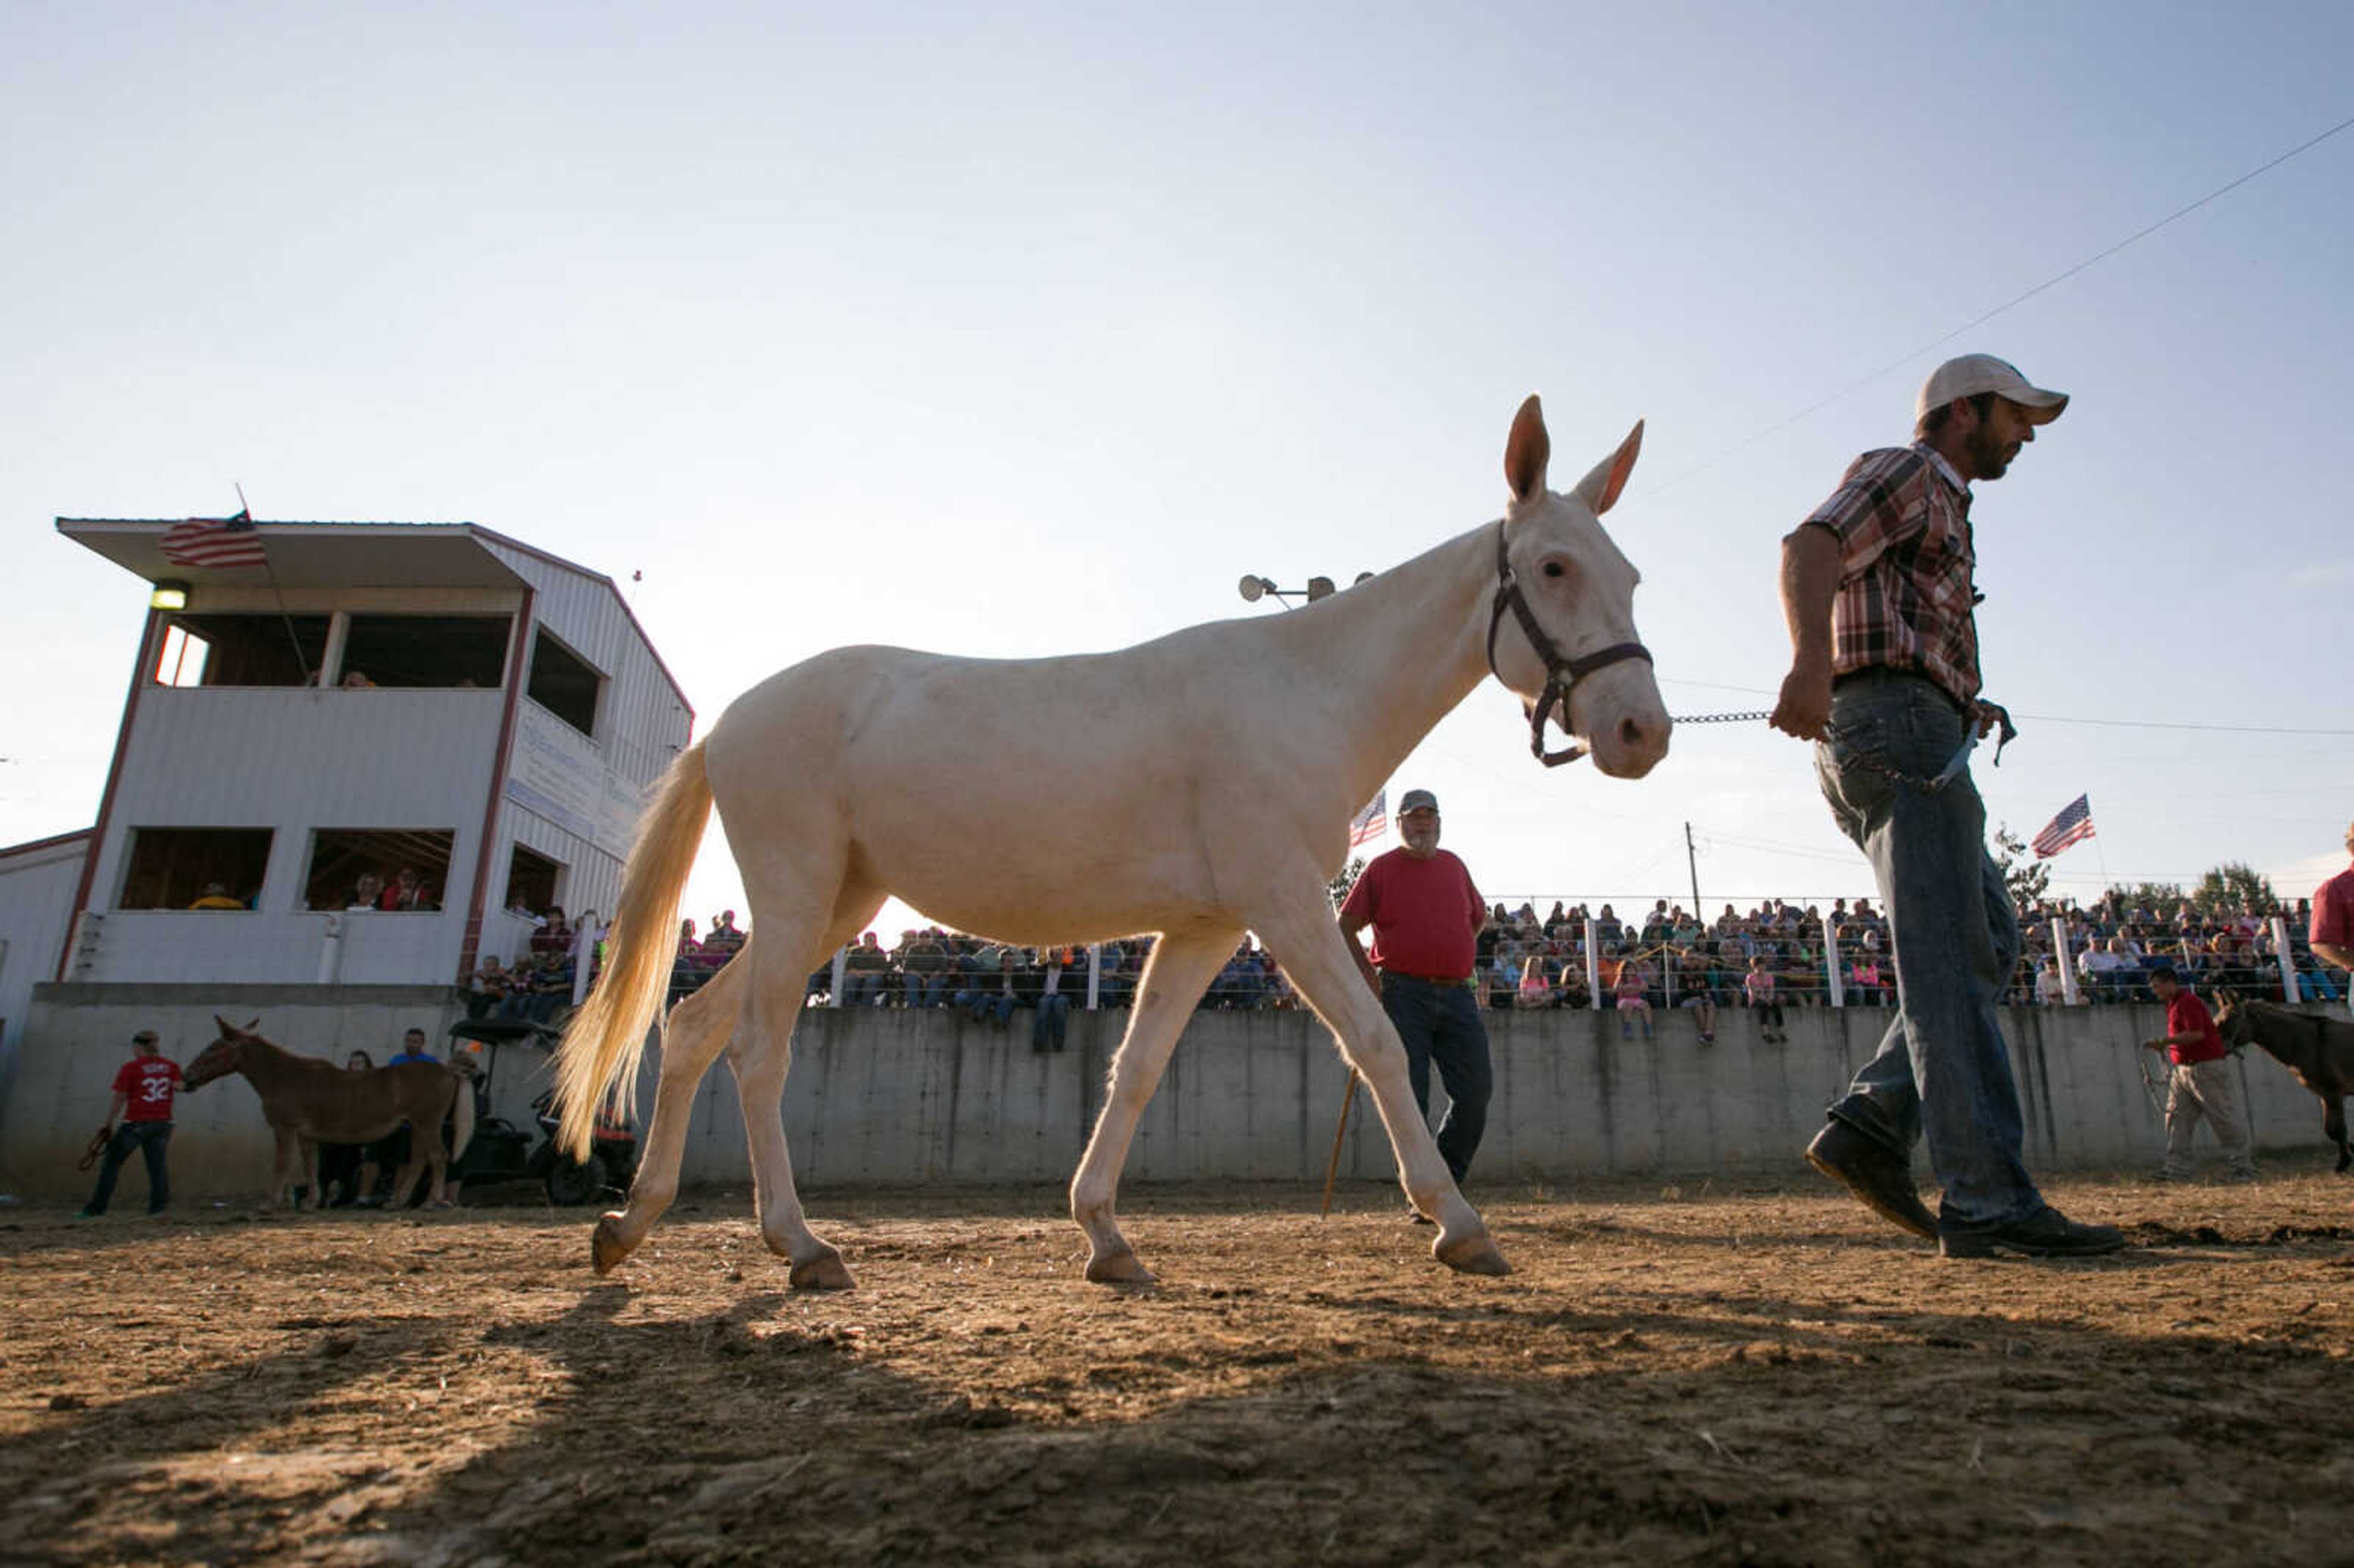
(990,980)
(1775,956)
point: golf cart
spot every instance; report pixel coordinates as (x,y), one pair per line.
(501,1151)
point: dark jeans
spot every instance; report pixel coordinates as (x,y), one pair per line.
(1440,1023)
(1943,1070)
(1052,1025)
(149,1139)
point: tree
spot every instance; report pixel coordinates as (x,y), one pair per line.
(2231,887)
(2160,898)
(2027,879)
(1346,880)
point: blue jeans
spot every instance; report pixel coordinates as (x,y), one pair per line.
(149,1139)
(864,988)
(1049,1030)
(1943,1069)
(924,989)
(1440,1023)
(985,1006)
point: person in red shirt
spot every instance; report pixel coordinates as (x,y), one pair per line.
(1426,915)
(141,1117)
(2200,1083)
(2331,932)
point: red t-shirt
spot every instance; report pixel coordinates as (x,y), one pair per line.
(2333,911)
(148,1083)
(2186,1014)
(1424,914)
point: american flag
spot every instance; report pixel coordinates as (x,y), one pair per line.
(214,542)
(1373,822)
(2074,821)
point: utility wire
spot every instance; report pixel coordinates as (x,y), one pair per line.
(1980,320)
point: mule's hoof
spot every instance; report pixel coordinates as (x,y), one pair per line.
(824,1272)
(1122,1267)
(605,1247)
(1474,1254)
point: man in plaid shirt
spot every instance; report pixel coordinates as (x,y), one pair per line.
(1877,589)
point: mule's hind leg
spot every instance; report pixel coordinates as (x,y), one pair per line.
(692,1038)
(1178,972)
(761,1055)
(1309,944)
(2333,1122)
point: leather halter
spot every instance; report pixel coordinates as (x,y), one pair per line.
(1561,674)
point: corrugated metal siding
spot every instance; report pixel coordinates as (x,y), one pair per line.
(592,878)
(642,722)
(36,899)
(296,761)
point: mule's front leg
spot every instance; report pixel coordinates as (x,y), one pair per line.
(1309,947)
(1175,979)
(284,1160)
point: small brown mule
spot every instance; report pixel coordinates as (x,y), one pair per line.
(308,1101)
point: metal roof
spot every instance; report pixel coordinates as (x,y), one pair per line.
(347,556)
(318,555)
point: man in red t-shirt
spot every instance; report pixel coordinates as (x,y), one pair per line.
(2200,1083)
(1426,915)
(2331,934)
(141,1117)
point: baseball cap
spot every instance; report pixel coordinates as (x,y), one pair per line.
(1417,800)
(1975,373)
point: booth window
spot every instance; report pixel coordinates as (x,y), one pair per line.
(361,868)
(531,881)
(241,650)
(563,682)
(414,650)
(178,868)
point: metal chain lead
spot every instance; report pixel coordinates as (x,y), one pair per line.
(1758,716)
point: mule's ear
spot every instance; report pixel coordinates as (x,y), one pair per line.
(226,1027)
(250,1025)
(1599,490)
(1528,451)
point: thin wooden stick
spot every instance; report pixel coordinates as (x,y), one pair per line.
(1332,1171)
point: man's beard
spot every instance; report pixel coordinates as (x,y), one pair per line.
(1986,455)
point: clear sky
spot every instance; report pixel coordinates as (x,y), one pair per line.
(1015,329)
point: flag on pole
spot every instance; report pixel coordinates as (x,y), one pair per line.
(2074,821)
(214,542)
(1373,822)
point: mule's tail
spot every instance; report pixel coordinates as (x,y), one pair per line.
(608,1033)
(461,1115)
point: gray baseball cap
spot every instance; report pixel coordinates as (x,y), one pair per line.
(1417,800)
(1975,373)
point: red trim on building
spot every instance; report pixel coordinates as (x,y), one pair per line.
(147,640)
(525,628)
(32,846)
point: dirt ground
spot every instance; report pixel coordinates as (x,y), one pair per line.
(1693,1374)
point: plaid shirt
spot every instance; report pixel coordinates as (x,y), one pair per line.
(1901,516)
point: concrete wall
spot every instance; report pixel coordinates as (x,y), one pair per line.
(79,1035)
(893,1097)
